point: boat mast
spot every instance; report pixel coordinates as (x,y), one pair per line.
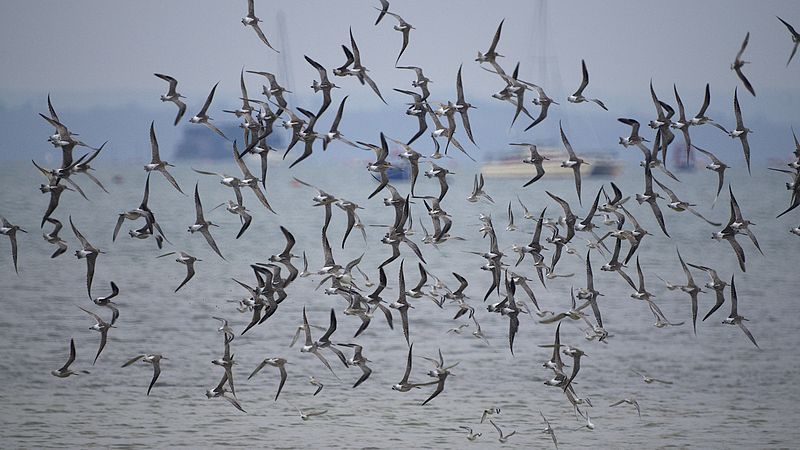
(284,63)
(546,61)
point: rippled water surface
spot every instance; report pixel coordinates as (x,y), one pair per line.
(725,392)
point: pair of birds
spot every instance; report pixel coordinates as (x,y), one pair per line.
(440,372)
(502,437)
(201,117)
(102,327)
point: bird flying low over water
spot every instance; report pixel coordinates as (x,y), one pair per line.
(503,437)
(734,318)
(153,359)
(87,252)
(462,106)
(106,301)
(65,371)
(535,160)
(440,372)
(187,260)
(312,346)
(102,327)
(219,392)
(10,230)
(53,238)
(716,166)
(679,206)
(280,363)
(629,401)
(202,225)
(716,284)
(731,230)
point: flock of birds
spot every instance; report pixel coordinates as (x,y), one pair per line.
(272,280)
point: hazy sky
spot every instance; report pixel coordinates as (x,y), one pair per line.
(100,53)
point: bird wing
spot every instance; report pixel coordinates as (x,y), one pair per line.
(54,116)
(234,402)
(584,79)
(513,326)
(331,328)
(189,275)
(383,10)
(323,74)
(246,220)
(566,143)
(439,389)
(103,338)
(496,38)
(374,87)
(408,365)
(171,180)
(744,45)
(720,300)
(738,250)
(747,332)
(366,372)
(307,329)
(406,33)
(156,373)
(72,354)
(133,360)
(210,239)
(283,380)
(84,243)
(496,427)
(181,110)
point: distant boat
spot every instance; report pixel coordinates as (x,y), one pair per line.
(400,170)
(678,160)
(510,164)
(199,142)
(399,173)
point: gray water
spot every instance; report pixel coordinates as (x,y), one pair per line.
(726,393)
